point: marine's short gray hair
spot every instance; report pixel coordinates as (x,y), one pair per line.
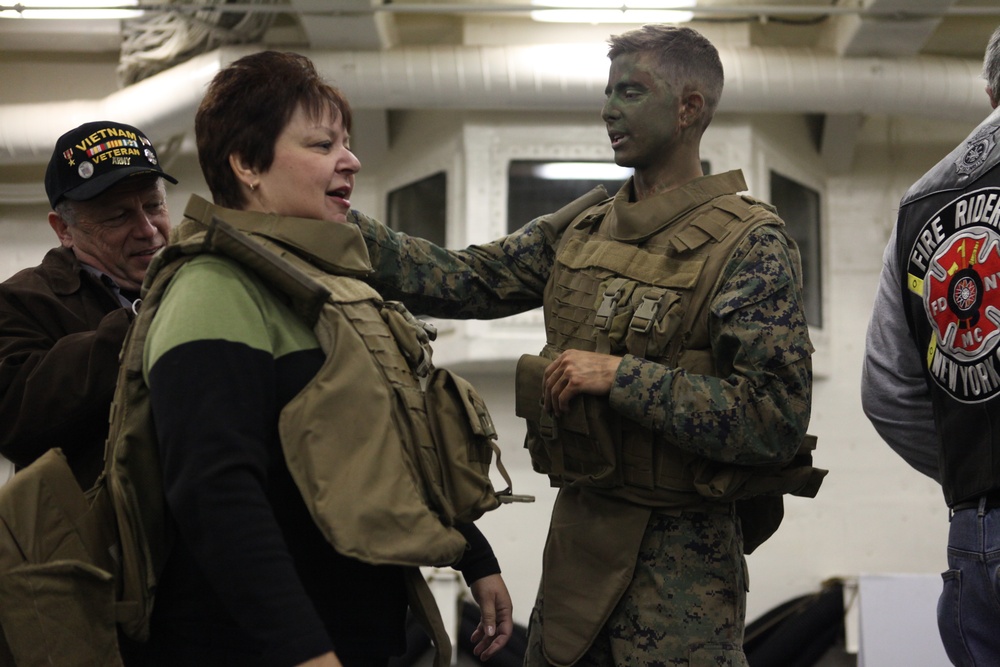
(991,64)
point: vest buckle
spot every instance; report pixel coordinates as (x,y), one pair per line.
(609,304)
(646,314)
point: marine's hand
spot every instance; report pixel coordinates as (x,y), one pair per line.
(577,372)
(496,624)
(325,660)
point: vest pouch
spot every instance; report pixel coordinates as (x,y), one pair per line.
(57,591)
(591,442)
(45,516)
(528,406)
(582,446)
(60,613)
(720,482)
(464,435)
(363,484)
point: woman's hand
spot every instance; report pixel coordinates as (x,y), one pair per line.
(496,624)
(325,660)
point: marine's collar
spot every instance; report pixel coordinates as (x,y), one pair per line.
(637,221)
(334,247)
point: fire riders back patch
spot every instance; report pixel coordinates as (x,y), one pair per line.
(954,267)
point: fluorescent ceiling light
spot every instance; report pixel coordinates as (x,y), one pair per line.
(580,171)
(608,11)
(72,9)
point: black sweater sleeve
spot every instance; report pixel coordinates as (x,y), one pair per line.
(478,561)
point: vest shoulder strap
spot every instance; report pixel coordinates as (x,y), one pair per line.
(594,203)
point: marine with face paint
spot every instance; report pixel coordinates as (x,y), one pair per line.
(677,353)
(62,323)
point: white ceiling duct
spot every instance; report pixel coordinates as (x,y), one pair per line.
(552,77)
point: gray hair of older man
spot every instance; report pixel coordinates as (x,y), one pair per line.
(991,64)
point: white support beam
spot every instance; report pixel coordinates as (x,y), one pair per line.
(881,35)
(355,27)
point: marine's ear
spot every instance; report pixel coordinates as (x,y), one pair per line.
(692,106)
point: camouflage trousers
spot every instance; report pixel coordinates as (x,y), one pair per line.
(685,606)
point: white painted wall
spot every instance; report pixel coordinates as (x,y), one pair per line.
(873,515)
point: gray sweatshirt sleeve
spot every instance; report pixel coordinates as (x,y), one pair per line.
(894,393)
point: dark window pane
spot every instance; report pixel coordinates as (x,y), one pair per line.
(537,187)
(799,207)
(419,209)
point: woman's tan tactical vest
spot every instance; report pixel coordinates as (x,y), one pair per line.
(649,298)
(388,452)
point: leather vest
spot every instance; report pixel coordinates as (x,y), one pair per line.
(647,295)
(948,252)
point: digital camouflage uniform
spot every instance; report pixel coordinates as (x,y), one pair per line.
(665,580)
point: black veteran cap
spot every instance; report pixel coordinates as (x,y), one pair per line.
(91,158)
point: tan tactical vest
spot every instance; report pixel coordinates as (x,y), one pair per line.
(389,492)
(392,489)
(649,298)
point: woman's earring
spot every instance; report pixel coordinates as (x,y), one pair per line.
(252,186)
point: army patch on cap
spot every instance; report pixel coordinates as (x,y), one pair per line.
(954,267)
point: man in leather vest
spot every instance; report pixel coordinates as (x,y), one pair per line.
(931,384)
(62,323)
(678,362)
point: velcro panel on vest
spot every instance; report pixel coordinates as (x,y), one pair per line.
(631,261)
(701,231)
(743,207)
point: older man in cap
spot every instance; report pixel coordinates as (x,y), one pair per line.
(63,322)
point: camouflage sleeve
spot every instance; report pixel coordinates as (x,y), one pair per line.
(757,412)
(492,280)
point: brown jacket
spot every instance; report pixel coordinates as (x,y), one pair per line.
(61,331)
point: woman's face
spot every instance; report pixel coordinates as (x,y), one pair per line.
(312,175)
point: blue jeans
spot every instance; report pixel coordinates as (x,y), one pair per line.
(969,607)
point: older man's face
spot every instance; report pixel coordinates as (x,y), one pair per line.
(119,231)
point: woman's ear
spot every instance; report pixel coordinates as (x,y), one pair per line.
(244,172)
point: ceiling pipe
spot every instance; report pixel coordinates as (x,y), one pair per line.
(162,106)
(895,11)
(538,78)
